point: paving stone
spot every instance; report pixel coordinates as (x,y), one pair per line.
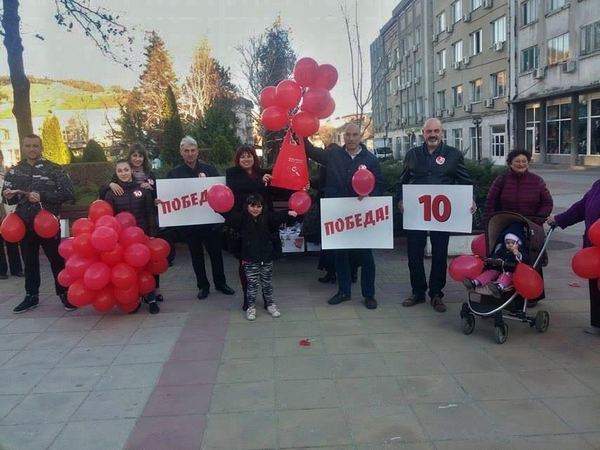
(30,436)
(7,403)
(239,397)
(144,353)
(447,421)
(398,342)
(70,379)
(488,386)
(194,351)
(337,312)
(461,361)
(56,339)
(291,346)
(240,431)
(251,330)
(165,319)
(115,404)
(179,400)
(106,337)
(247,348)
(45,408)
(414,363)
(521,359)
(304,367)
(306,428)
(299,328)
(29,325)
(554,383)
(361,365)
(5,355)
(94,435)
(373,391)
(581,413)
(20,380)
(178,373)
(244,370)
(16,341)
(129,376)
(36,358)
(91,356)
(588,375)
(385,424)
(432,388)
(306,394)
(155,335)
(167,432)
(349,344)
(74,323)
(341,327)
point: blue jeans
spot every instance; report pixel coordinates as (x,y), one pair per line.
(415,246)
(360,257)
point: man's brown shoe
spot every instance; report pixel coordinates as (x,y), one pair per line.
(438,304)
(412,301)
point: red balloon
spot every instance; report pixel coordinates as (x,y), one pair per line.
(76,265)
(305,124)
(45,224)
(126,219)
(328,110)
(363,182)
(465,266)
(65,278)
(300,202)
(78,295)
(123,275)
(128,307)
(97,276)
(158,266)
(315,100)
(478,246)
(104,238)
(99,208)
(586,263)
(220,198)
(274,118)
(594,233)
(131,235)
(146,282)
(287,94)
(65,248)
(159,248)
(112,257)
(305,71)
(81,226)
(130,294)
(82,245)
(137,255)
(12,228)
(528,282)
(109,221)
(267,97)
(326,77)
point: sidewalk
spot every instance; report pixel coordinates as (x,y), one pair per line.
(198,375)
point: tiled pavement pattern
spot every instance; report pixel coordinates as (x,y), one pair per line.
(199,376)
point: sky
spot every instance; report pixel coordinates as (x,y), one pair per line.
(317,30)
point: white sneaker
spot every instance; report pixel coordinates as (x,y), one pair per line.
(273,310)
(251,313)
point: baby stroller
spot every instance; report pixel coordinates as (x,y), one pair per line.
(510,305)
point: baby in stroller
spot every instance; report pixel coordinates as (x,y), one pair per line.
(499,267)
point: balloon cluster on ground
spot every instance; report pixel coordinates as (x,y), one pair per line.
(586,262)
(110,261)
(302,101)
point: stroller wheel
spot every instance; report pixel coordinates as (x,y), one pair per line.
(468,324)
(501,333)
(542,321)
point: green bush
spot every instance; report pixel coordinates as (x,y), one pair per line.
(483,174)
(391,170)
(85,193)
(93,152)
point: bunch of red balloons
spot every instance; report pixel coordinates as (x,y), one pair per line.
(45,224)
(109,260)
(311,84)
(586,262)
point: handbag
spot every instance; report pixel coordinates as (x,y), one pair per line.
(291,168)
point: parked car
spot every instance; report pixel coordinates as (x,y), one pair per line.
(384,153)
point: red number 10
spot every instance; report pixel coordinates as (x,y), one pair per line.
(439,207)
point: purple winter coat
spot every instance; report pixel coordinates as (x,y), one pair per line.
(586,209)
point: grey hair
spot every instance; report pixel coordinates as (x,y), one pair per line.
(187,140)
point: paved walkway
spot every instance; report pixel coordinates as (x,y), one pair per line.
(199,376)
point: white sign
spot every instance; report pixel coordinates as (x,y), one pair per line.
(352,223)
(183,201)
(437,207)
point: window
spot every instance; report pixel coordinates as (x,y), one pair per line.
(475,4)
(457,138)
(499,84)
(590,38)
(441,59)
(419,106)
(498,141)
(529,11)
(441,99)
(476,42)
(532,128)
(457,96)
(556,4)
(475,135)
(418,68)
(558,128)
(499,30)
(456,8)
(558,49)
(440,22)
(398,82)
(529,58)
(476,90)
(457,49)
(417,35)
(397,53)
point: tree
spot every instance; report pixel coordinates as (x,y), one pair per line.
(219,121)
(131,120)
(98,24)
(55,149)
(222,151)
(93,152)
(77,131)
(172,130)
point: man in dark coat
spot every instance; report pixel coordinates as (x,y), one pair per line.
(434,162)
(341,163)
(199,236)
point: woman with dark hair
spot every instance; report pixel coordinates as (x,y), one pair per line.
(141,170)
(519,191)
(247,177)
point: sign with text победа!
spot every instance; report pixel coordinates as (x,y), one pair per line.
(183,201)
(437,207)
(351,223)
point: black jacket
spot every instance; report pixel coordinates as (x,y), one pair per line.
(446,165)
(341,168)
(114,179)
(185,171)
(243,184)
(138,202)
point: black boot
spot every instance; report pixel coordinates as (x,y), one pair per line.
(329,277)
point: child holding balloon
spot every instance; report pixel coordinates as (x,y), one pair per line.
(256,225)
(139,202)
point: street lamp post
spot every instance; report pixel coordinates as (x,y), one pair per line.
(477,123)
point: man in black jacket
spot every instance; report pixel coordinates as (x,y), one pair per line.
(341,163)
(199,236)
(432,163)
(34,182)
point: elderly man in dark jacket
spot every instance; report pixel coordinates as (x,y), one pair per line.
(34,182)
(434,162)
(199,236)
(341,163)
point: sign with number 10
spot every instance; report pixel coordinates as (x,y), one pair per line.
(437,207)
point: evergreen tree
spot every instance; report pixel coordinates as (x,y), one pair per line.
(55,149)
(222,151)
(172,130)
(219,121)
(93,152)
(131,120)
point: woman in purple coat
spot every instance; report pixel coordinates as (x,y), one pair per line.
(588,210)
